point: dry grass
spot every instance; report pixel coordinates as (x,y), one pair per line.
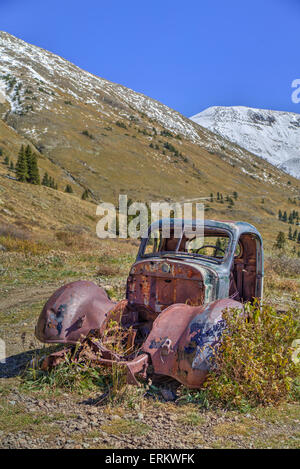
(79,240)
(7,230)
(24,246)
(231,429)
(283,265)
(274,281)
(108,270)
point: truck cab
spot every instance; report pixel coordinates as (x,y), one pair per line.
(225,262)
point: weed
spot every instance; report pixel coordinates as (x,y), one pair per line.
(69,376)
(189,396)
(191,418)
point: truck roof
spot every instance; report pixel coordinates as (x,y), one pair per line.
(235,227)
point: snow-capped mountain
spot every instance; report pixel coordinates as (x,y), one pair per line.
(272,135)
(52,75)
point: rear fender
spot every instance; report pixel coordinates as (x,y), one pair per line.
(182,339)
(72,311)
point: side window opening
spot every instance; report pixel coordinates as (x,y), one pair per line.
(243,274)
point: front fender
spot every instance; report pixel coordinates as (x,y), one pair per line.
(71,312)
(180,342)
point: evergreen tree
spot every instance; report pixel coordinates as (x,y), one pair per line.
(45,181)
(85,194)
(284,217)
(211,197)
(280,241)
(33,170)
(11,166)
(231,203)
(235,195)
(6,160)
(295,235)
(280,215)
(69,189)
(28,156)
(290,235)
(21,166)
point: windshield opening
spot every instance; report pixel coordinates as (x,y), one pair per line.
(213,244)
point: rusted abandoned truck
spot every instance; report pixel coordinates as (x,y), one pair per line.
(176,293)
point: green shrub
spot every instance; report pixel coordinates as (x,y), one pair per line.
(253,364)
(88,134)
(67,376)
(121,124)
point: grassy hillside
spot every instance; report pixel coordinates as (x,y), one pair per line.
(129,165)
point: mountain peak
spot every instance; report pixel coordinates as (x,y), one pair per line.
(54,72)
(272,135)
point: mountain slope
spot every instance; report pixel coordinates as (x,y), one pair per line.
(273,135)
(91,133)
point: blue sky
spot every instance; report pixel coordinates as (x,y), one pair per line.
(187,54)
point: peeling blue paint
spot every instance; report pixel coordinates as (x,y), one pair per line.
(204,337)
(58,317)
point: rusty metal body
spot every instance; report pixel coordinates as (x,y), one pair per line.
(173,305)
